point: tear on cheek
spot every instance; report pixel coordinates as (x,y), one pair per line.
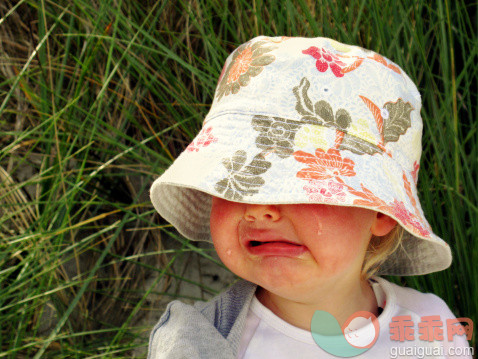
(229,252)
(319,227)
(318,224)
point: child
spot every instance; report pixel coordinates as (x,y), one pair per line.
(304,178)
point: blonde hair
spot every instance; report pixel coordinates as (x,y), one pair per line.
(379,249)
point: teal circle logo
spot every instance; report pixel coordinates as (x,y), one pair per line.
(358,334)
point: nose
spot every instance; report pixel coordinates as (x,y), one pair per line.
(262,212)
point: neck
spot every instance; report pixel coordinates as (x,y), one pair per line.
(340,297)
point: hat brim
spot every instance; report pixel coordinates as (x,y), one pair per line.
(182,195)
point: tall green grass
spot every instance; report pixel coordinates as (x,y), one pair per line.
(98,97)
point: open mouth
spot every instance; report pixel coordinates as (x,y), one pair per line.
(275,248)
(255,243)
(260,243)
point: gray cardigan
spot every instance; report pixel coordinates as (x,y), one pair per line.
(214,329)
(210,329)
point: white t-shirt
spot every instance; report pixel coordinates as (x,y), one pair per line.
(267,336)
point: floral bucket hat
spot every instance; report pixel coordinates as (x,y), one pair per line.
(308,120)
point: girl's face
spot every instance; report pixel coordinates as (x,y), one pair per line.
(291,249)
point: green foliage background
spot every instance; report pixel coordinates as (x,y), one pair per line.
(98,97)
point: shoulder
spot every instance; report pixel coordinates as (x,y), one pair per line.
(231,299)
(228,311)
(234,297)
(412,300)
(182,329)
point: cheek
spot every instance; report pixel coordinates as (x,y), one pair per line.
(222,231)
(349,226)
(217,216)
(223,227)
(336,251)
(336,236)
(225,247)
(229,251)
(222,218)
(336,257)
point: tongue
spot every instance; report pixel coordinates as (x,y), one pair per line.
(277,248)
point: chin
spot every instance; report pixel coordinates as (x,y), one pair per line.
(280,281)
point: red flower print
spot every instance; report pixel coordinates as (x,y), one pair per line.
(381,60)
(416,167)
(325,59)
(204,139)
(408,190)
(241,65)
(367,198)
(325,191)
(248,61)
(396,209)
(400,212)
(394,68)
(324,165)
